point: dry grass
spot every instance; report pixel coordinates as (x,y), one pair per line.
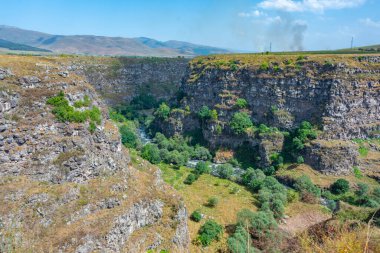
(196,196)
(320,179)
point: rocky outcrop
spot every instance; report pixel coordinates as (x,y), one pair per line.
(339,94)
(332,157)
(268,145)
(121,79)
(74,188)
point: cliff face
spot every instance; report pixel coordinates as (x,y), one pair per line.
(71,187)
(339,94)
(118,80)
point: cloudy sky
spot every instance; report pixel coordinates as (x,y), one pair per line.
(237,24)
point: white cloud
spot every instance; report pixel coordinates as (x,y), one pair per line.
(255,13)
(370,22)
(309,5)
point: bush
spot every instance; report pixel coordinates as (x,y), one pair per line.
(92,127)
(362,189)
(292,196)
(240,241)
(201,153)
(202,168)
(357,172)
(144,101)
(340,186)
(240,122)
(128,137)
(86,102)
(212,202)
(225,170)
(163,111)
(151,153)
(272,197)
(309,191)
(66,113)
(177,158)
(253,178)
(204,113)
(259,223)
(300,160)
(264,66)
(190,179)
(209,232)
(196,216)
(241,103)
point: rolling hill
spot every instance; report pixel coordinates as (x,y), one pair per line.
(20,47)
(102,45)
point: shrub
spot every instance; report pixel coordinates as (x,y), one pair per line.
(363,151)
(202,168)
(240,122)
(292,196)
(357,172)
(240,241)
(209,232)
(86,102)
(234,162)
(204,113)
(241,103)
(225,170)
(300,160)
(92,127)
(362,189)
(144,101)
(260,223)
(201,153)
(214,115)
(340,186)
(190,179)
(151,153)
(177,158)
(212,202)
(66,113)
(309,191)
(196,216)
(128,137)
(264,66)
(163,111)
(253,178)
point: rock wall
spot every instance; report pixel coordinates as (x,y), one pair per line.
(339,94)
(65,188)
(121,79)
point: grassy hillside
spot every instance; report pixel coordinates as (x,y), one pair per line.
(20,47)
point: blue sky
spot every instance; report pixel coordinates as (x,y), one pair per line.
(237,24)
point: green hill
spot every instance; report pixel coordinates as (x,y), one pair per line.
(20,47)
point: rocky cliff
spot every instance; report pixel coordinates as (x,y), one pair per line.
(339,94)
(69,185)
(119,80)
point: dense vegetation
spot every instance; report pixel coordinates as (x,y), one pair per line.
(64,112)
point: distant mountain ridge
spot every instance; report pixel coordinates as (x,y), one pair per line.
(20,47)
(103,45)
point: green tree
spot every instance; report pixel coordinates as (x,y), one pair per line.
(128,137)
(240,122)
(340,186)
(151,153)
(196,216)
(202,168)
(225,170)
(309,191)
(209,232)
(190,179)
(204,113)
(241,103)
(241,241)
(163,111)
(212,202)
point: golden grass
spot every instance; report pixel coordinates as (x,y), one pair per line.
(196,196)
(320,179)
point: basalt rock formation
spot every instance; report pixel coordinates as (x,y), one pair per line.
(71,187)
(339,94)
